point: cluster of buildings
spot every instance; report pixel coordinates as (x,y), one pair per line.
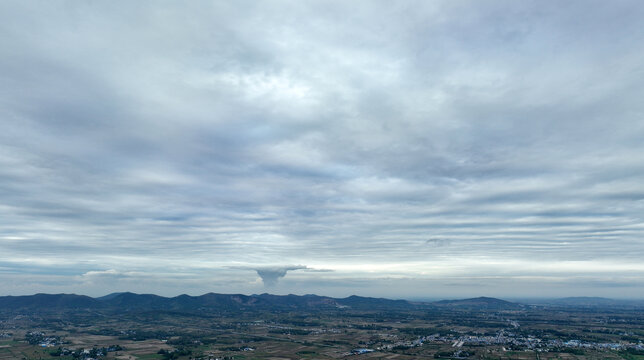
(592,345)
(39,338)
(403,344)
(509,341)
(359,351)
(86,354)
(516,342)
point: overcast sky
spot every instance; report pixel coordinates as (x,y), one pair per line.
(384,148)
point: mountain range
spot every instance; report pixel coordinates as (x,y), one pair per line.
(127,301)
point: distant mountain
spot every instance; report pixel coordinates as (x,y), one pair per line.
(211,302)
(127,301)
(132,301)
(295,301)
(479,303)
(374,303)
(47,301)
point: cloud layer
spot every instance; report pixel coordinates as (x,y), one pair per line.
(443,145)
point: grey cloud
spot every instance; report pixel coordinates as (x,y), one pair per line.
(286,132)
(438,242)
(308,269)
(271,275)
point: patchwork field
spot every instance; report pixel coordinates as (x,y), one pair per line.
(530,333)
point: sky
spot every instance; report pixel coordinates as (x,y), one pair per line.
(399,149)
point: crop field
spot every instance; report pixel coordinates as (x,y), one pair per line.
(525,334)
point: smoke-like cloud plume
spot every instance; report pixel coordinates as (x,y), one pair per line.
(271,275)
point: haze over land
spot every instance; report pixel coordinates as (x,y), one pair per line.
(396,149)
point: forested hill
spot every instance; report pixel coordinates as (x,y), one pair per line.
(127,301)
